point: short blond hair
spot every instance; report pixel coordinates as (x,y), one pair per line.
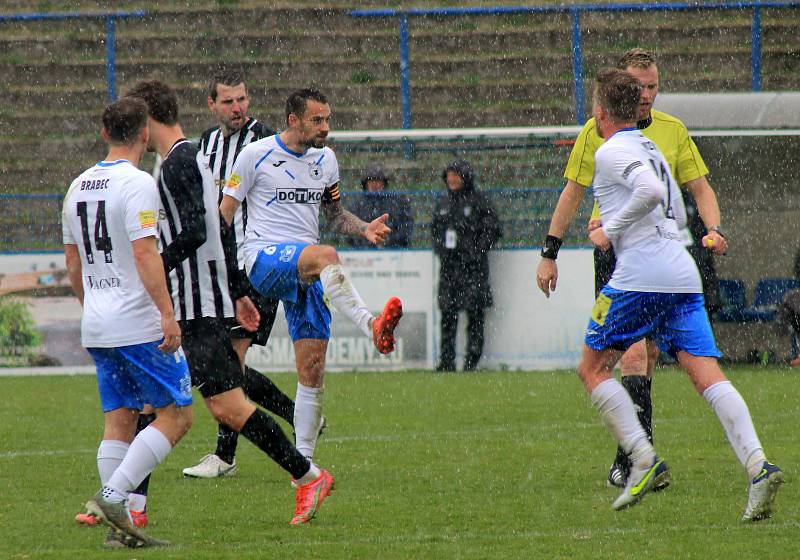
(636,58)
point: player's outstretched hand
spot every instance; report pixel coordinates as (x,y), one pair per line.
(547,275)
(172,335)
(377,230)
(247,313)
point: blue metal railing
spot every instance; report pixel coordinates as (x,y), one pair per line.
(33,221)
(111,40)
(575,14)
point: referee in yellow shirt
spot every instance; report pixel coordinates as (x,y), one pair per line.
(689,170)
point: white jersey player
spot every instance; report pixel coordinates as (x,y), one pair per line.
(110,231)
(286,179)
(654,292)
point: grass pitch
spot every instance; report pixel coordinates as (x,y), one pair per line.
(482,465)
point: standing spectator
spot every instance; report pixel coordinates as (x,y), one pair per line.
(464,228)
(377,201)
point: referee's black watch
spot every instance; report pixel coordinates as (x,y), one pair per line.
(719,230)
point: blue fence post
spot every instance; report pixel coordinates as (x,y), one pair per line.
(577,65)
(755,57)
(405,84)
(111,56)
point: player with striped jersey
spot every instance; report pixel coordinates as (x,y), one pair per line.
(110,230)
(219,147)
(286,179)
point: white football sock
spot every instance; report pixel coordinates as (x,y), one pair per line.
(109,456)
(618,412)
(149,448)
(735,418)
(344,297)
(307,417)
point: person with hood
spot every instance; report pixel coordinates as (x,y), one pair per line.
(464,228)
(377,201)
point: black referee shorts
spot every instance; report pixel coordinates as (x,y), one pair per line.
(213,363)
(267,309)
(604,264)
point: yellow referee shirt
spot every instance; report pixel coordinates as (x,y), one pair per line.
(668,133)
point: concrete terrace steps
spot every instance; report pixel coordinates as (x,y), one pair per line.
(473,68)
(465,71)
(372,45)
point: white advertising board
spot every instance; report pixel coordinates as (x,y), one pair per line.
(524,330)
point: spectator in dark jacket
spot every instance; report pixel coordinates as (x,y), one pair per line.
(464,227)
(377,201)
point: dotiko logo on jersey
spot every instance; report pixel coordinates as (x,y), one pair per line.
(299,196)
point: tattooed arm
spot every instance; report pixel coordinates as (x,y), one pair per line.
(347,223)
(343,221)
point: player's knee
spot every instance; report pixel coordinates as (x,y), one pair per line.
(634,362)
(327,255)
(587,374)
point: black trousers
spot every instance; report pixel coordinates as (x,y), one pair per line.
(475,324)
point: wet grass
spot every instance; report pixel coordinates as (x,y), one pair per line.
(485,465)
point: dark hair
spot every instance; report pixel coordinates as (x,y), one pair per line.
(298,100)
(161,99)
(226,77)
(636,57)
(124,119)
(617,92)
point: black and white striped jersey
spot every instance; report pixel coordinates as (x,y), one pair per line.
(220,152)
(190,236)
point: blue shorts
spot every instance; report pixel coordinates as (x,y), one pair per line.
(274,275)
(675,321)
(132,376)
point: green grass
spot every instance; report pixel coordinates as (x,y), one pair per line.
(485,465)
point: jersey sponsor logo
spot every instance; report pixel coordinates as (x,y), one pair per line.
(234,181)
(630,168)
(279,163)
(315,171)
(94,184)
(147,219)
(98,283)
(298,196)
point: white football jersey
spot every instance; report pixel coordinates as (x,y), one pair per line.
(650,253)
(283,190)
(107,208)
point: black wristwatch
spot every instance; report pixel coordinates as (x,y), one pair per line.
(719,230)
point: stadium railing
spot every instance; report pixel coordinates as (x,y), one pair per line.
(521,169)
(575,12)
(111,37)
